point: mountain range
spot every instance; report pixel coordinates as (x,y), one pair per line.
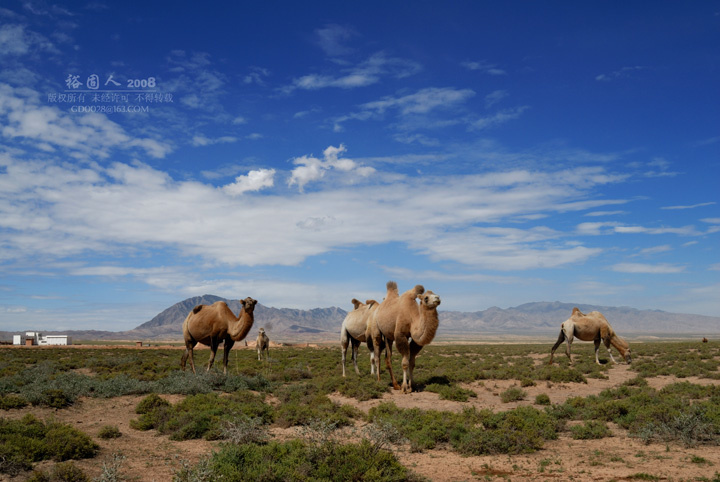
(323,324)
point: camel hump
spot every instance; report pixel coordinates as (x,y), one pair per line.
(370,302)
(577,310)
(197,309)
(355,303)
(419,289)
(391,286)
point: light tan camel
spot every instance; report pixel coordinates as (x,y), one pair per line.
(354,331)
(263,344)
(401,320)
(213,324)
(591,327)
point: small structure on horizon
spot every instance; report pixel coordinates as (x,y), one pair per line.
(33,338)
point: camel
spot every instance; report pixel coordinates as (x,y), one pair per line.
(591,327)
(705,340)
(400,319)
(263,344)
(212,324)
(354,331)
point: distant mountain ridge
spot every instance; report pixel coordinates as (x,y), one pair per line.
(323,324)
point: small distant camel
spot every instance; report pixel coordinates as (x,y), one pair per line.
(591,327)
(705,340)
(213,324)
(263,344)
(354,331)
(400,319)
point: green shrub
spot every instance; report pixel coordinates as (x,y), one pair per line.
(451,392)
(513,394)
(8,402)
(297,461)
(150,403)
(62,472)
(29,440)
(108,432)
(590,430)
(542,399)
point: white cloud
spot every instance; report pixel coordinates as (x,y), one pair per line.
(485,67)
(312,169)
(205,141)
(498,118)
(623,73)
(494,97)
(15,40)
(49,211)
(421,102)
(333,38)
(640,268)
(254,181)
(692,206)
(87,134)
(366,73)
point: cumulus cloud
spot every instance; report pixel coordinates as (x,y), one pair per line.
(312,169)
(253,181)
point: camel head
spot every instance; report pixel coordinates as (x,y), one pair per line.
(429,300)
(248,305)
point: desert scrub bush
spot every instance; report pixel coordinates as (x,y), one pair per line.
(559,374)
(62,472)
(150,403)
(362,391)
(109,431)
(201,415)
(513,394)
(303,402)
(245,430)
(690,428)
(295,460)
(424,429)
(590,430)
(451,392)
(521,430)
(542,399)
(29,440)
(10,401)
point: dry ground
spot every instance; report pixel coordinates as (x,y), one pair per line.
(151,457)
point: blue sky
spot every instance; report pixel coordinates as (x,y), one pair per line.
(305,153)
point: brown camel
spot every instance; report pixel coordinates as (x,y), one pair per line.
(591,327)
(401,320)
(353,332)
(212,324)
(705,340)
(263,344)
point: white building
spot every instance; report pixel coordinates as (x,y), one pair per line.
(37,338)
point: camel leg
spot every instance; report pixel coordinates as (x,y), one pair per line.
(388,360)
(414,350)
(226,353)
(355,345)
(189,345)
(597,349)
(568,340)
(377,349)
(344,342)
(213,350)
(372,354)
(403,347)
(607,347)
(561,338)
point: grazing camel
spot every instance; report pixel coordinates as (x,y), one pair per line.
(212,324)
(400,319)
(353,332)
(263,344)
(705,340)
(591,327)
